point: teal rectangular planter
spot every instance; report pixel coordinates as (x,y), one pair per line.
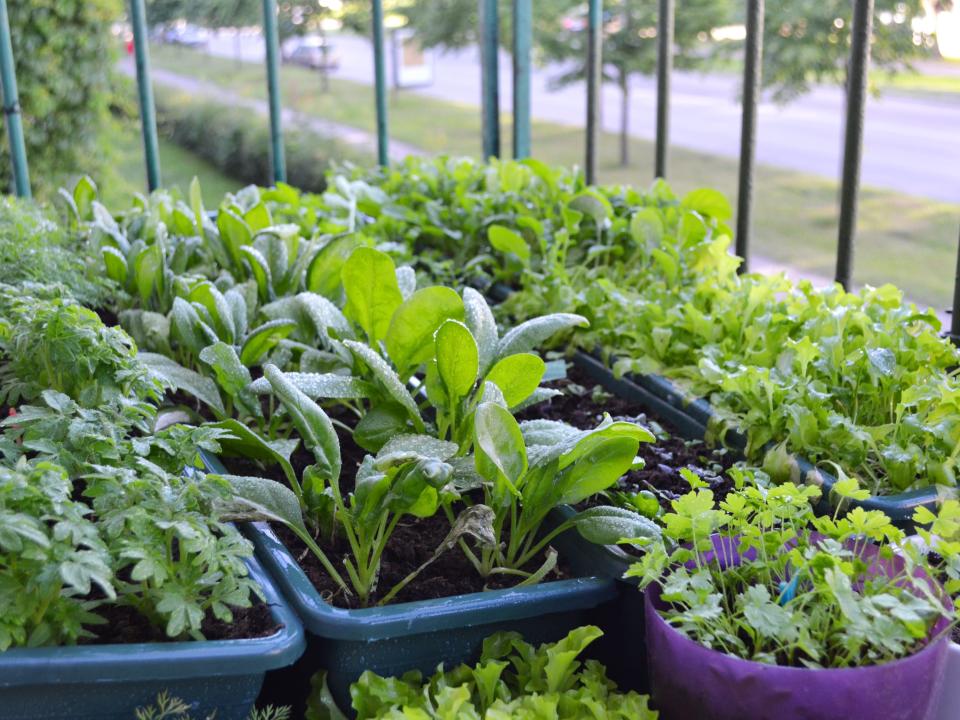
(693,416)
(420,635)
(109,682)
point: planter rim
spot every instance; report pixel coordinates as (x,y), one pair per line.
(652,596)
(899,507)
(72,664)
(421,616)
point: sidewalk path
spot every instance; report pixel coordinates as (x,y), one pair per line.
(356,138)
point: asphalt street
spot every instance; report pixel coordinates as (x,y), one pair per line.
(912,143)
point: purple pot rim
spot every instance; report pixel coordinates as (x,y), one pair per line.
(939,634)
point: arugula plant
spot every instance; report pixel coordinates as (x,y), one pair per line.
(410,475)
(530,468)
(512,679)
(760,577)
(418,356)
(51,558)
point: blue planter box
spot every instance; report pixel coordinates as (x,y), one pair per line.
(109,682)
(419,635)
(693,416)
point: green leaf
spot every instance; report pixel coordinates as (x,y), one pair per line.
(388,380)
(148,272)
(561,657)
(244,442)
(406,281)
(263,339)
(592,203)
(320,703)
(508,241)
(606,525)
(177,377)
(708,202)
(323,272)
(232,375)
(311,421)
(115,263)
(409,339)
(385,420)
(256,498)
(260,271)
(319,385)
(207,296)
(482,325)
(84,193)
(517,376)
(234,233)
(458,360)
(373,295)
(188,328)
(324,315)
(598,469)
(410,447)
(646,228)
(501,455)
(528,335)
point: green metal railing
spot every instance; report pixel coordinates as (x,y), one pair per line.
(858,65)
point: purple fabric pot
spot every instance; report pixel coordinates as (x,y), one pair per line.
(690,681)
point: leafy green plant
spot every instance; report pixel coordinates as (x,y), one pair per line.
(409,476)
(51,558)
(387,334)
(760,577)
(531,468)
(512,679)
(168,707)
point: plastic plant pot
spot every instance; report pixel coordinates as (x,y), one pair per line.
(948,705)
(693,417)
(689,680)
(109,682)
(393,639)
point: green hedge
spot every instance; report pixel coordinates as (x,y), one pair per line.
(237,141)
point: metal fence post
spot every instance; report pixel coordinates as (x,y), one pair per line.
(380,84)
(752,63)
(272,43)
(665,24)
(148,117)
(11,108)
(594,81)
(522,38)
(955,312)
(490,77)
(860,31)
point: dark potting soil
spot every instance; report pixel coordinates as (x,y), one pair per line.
(125,625)
(412,543)
(583,407)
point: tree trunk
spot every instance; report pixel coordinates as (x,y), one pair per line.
(624,80)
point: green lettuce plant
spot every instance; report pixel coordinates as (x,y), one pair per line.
(512,679)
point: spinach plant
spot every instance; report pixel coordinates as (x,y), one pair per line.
(528,469)
(409,476)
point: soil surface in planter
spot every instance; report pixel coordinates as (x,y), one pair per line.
(412,543)
(125,625)
(582,407)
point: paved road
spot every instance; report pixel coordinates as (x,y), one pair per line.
(912,144)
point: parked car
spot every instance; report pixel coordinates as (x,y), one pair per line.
(313,52)
(187,35)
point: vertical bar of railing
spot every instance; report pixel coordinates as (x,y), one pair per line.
(522,38)
(272,43)
(490,78)
(594,82)
(861,31)
(665,24)
(11,108)
(148,117)
(955,313)
(380,83)
(752,63)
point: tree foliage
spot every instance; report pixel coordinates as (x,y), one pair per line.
(64,55)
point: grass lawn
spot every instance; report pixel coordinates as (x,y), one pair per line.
(177,168)
(909,241)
